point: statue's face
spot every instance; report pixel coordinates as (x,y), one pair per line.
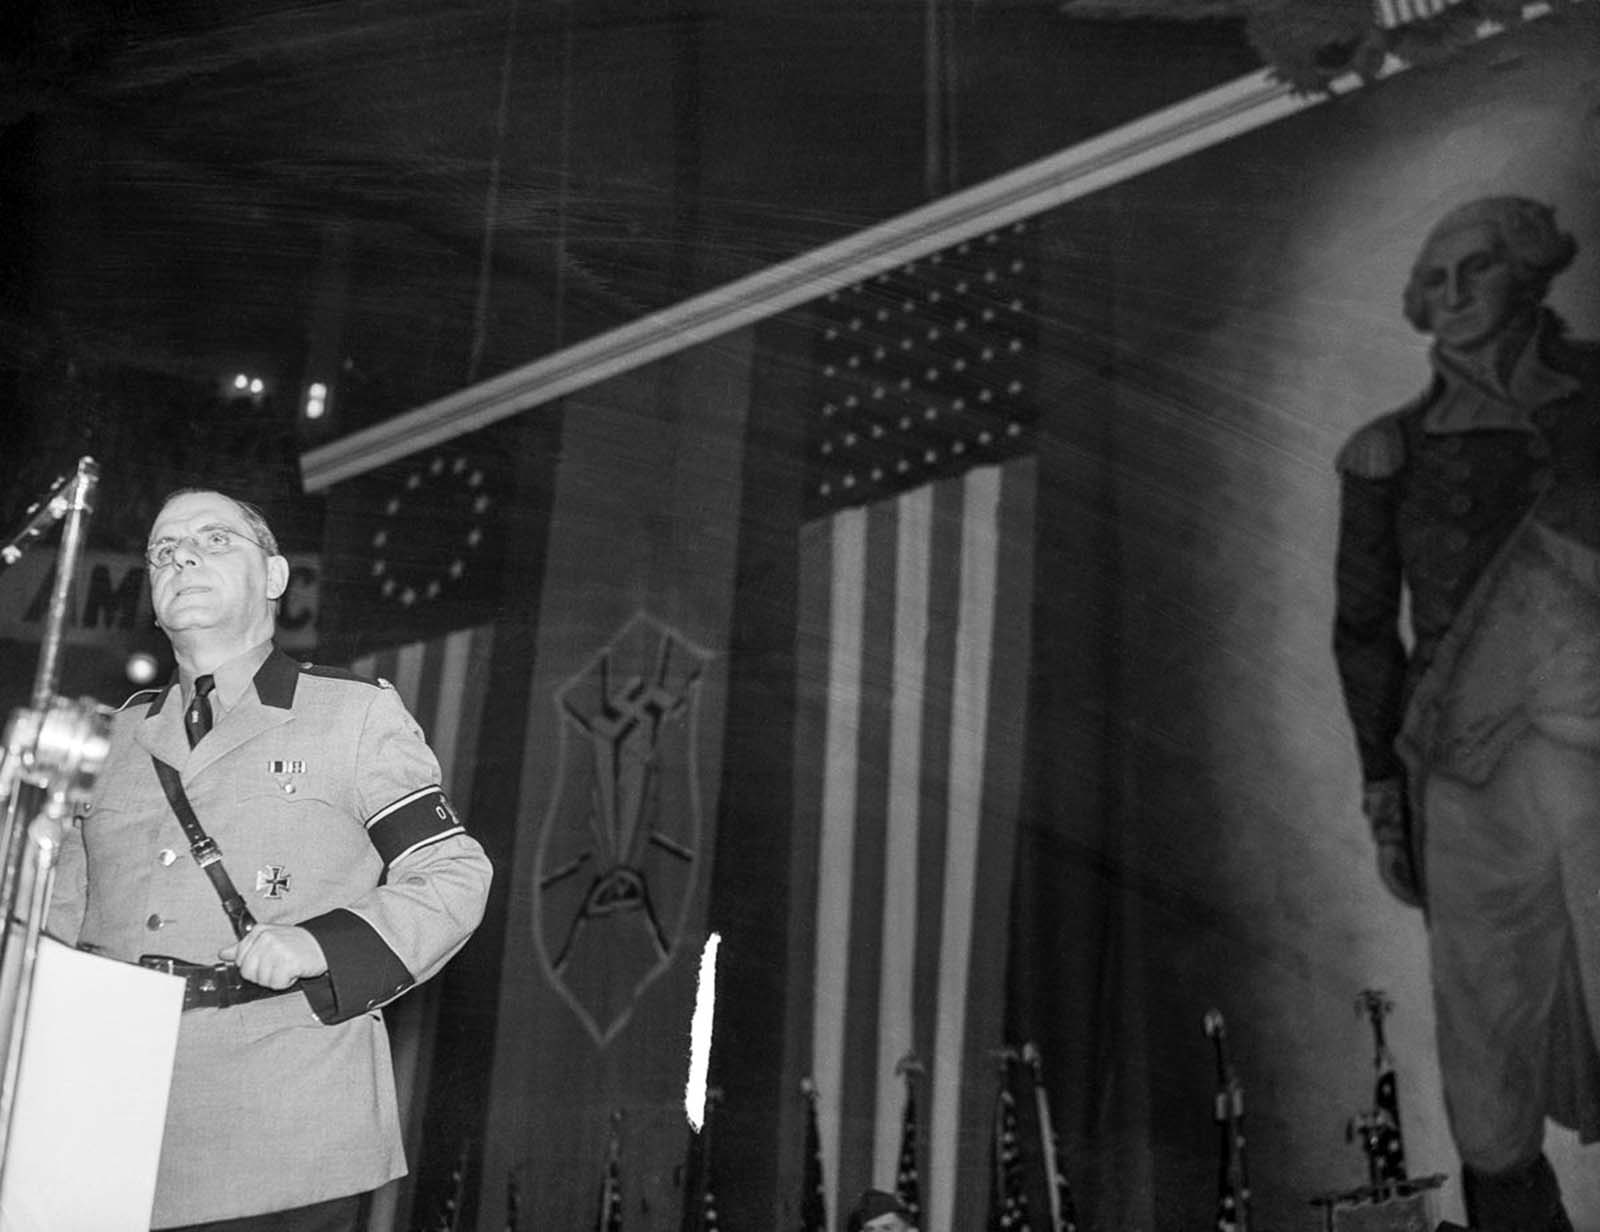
(1469,290)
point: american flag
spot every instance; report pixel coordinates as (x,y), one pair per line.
(1387,1146)
(1008,1208)
(1233,1186)
(915,603)
(608,1211)
(908,1177)
(1379,1127)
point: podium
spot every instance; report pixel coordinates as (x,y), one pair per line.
(1397,1206)
(91,1096)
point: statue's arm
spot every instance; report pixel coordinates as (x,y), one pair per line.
(1367,643)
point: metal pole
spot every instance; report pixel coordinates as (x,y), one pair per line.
(76,504)
(53,749)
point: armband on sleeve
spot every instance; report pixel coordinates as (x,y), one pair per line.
(411,823)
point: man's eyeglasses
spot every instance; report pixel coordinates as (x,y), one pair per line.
(208,541)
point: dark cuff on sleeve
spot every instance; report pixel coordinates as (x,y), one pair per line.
(363,972)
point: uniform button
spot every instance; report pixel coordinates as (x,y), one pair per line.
(167,857)
(288,789)
(154,923)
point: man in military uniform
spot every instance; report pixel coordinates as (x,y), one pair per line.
(348,876)
(1479,735)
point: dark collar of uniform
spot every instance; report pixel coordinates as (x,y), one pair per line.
(234,677)
(1466,398)
(276,680)
(274,674)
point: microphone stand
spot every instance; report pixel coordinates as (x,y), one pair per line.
(53,749)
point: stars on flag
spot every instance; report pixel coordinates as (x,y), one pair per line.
(1008,1211)
(924,371)
(433,529)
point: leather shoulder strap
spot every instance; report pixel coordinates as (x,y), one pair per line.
(204,849)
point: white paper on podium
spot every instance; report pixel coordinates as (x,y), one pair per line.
(91,1099)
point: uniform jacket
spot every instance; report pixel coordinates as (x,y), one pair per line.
(1429,501)
(323,797)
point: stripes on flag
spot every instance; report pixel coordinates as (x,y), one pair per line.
(442,682)
(918,610)
(915,601)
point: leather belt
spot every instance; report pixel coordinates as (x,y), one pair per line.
(215,987)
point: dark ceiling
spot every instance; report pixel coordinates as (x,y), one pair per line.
(435,190)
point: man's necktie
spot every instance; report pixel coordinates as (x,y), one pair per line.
(197,719)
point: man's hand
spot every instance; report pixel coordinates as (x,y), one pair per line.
(1384,803)
(1399,878)
(276,955)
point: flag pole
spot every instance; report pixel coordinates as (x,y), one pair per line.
(608,1216)
(1063,1213)
(813,1200)
(908,1177)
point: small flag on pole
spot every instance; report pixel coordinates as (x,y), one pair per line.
(1008,1206)
(608,1215)
(450,1209)
(908,1177)
(813,1203)
(700,1191)
(1379,1128)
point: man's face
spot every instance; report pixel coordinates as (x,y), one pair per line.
(1469,290)
(887,1223)
(228,593)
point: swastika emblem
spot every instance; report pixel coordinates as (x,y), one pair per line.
(618,851)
